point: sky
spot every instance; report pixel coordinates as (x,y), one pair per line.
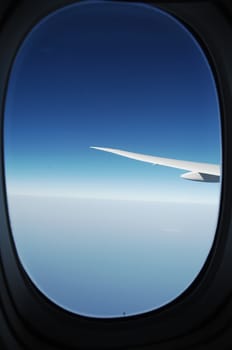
(116,75)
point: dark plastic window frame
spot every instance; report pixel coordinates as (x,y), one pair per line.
(201,315)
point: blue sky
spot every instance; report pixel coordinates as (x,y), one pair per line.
(138,81)
(97,233)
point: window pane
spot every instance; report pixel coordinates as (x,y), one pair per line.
(103,232)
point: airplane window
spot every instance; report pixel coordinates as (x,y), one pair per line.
(112,150)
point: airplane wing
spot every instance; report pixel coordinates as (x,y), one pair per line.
(204,172)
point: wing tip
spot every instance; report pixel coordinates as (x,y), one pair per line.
(100,148)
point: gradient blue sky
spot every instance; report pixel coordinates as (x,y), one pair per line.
(117,76)
(99,234)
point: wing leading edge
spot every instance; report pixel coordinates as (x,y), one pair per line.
(203,172)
